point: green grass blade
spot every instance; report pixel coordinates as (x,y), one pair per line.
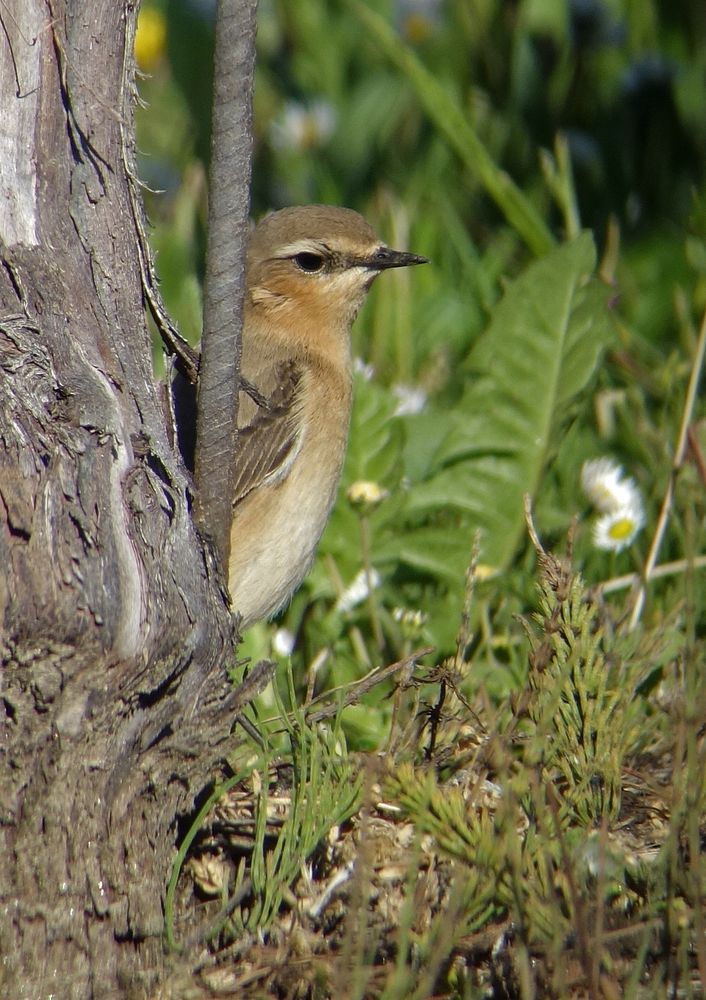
(450,119)
(220,790)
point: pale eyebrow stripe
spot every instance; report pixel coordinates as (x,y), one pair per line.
(303,246)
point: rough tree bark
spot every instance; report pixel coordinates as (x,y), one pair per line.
(114,704)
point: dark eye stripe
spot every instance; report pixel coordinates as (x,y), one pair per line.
(308,261)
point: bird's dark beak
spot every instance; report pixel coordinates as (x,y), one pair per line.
(384,257)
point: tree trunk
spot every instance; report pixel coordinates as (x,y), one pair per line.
(113,627)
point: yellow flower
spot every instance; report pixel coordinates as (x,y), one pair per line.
(366,495)
(151,38)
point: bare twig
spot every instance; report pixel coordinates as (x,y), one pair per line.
(229,204)
(463,636)
(664,569)
(253,684)
(648,570)
(696,453)
(354,692)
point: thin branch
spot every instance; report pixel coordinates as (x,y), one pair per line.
(354,692)
(229,204)
(664,569)
(666,508)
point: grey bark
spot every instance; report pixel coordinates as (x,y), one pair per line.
(114,703)
(229,207)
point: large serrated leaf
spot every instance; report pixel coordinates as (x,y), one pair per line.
(376,438)
(540,350)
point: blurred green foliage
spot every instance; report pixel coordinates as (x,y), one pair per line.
(490,373)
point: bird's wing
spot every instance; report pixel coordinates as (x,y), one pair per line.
(267,446)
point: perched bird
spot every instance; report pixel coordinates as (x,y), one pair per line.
(308,272)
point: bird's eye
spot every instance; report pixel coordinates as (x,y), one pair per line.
(308,261)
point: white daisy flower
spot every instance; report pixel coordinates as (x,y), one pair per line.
(411,620)
(617,529)
(283,642)
(409,616)
(410,399)
(607,488)
(300,127)
(418,19)
(366,370)
(359,589)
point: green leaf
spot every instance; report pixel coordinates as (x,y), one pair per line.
(540,350)
(376,438)
(437,551)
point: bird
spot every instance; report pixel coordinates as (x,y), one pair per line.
(308,271)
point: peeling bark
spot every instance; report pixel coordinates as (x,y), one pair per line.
(114,704)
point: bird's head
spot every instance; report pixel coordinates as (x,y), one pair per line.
(318,262)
